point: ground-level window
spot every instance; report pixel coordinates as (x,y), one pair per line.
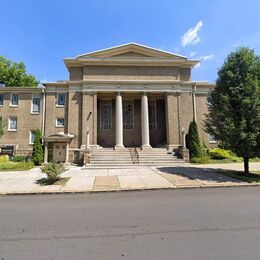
(12,123)
(60,122)
(60,100)
(128,114)
(32,136)
(36,100)
(14,100)
(106,115)
(212,139)
(152,115)
(1,99)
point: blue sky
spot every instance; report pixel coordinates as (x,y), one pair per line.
(41,33)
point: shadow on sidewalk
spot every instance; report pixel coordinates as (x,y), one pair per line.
(201,174)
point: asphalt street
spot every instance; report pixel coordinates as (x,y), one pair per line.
(215,223)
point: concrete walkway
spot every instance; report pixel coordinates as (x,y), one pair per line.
(136,178)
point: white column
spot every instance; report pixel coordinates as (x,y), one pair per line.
(67,153)
(194,103)
(45,152)
(145,122)
(119,121)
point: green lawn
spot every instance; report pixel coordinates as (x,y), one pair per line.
(251,178)
(15,166)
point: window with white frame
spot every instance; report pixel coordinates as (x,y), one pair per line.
(128,114)
(32,136)
(60,122)
(106,115)
(12,123)
(36,101)
(1,99)
(60,100)
(212,139)
(14,100)
(152,115)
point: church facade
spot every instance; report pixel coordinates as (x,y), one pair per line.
(124,96)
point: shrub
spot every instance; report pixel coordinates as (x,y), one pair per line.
(193,140)
(16,166)
(37,155)
(4,158)
(18,158)
(53,171)
(219,154)
(204,159)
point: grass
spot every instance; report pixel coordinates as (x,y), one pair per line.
(250,178)
(46,181)
(233,159)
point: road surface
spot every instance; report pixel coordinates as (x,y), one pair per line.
(163,224)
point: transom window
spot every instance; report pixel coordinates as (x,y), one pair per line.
(60,100)
(128,114)
(12,124)
(36,103)
(152,115)
(1,99)
(106,115)
(14,100)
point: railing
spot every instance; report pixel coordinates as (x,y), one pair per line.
(134,154)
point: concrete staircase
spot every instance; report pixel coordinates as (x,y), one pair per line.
(108,157)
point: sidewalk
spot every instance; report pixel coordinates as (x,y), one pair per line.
(136,178)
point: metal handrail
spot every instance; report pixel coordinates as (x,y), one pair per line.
(134,154)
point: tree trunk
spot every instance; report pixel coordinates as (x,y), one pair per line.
(246,165)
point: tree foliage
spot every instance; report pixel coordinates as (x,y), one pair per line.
(234,105)
(37,155)
(14,74)
(193,140)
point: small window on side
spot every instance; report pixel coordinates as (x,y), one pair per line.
(60,100)
(12,124)
(212,139)
(36,101)
(1,99)
(32,137)
(60,122)
(14,100)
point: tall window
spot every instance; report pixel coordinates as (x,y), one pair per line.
(1,99)
(36,103)
(14,100)
(152,115)
(60,100)
(32,137)
(12,124)
(128,114)
(106,115)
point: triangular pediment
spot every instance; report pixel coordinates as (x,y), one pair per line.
(131,50)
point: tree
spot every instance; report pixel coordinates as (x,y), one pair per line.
(14,74)
(193,140)
(37,155)
(234,105)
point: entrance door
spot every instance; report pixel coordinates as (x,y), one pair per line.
(59,152)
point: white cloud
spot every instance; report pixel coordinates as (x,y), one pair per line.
(43,80)
(193,53)
(191,37)
(204,58)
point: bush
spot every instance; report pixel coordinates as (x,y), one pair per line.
(204,159)
(16,166)
(53,171)
(18,158)
(219,154)
(4,158)
(193,140)
(37,155)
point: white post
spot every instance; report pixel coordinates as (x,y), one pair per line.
(119,121)
(145,122)
(183,138)
(88,144)
(45,152)
(67,153)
